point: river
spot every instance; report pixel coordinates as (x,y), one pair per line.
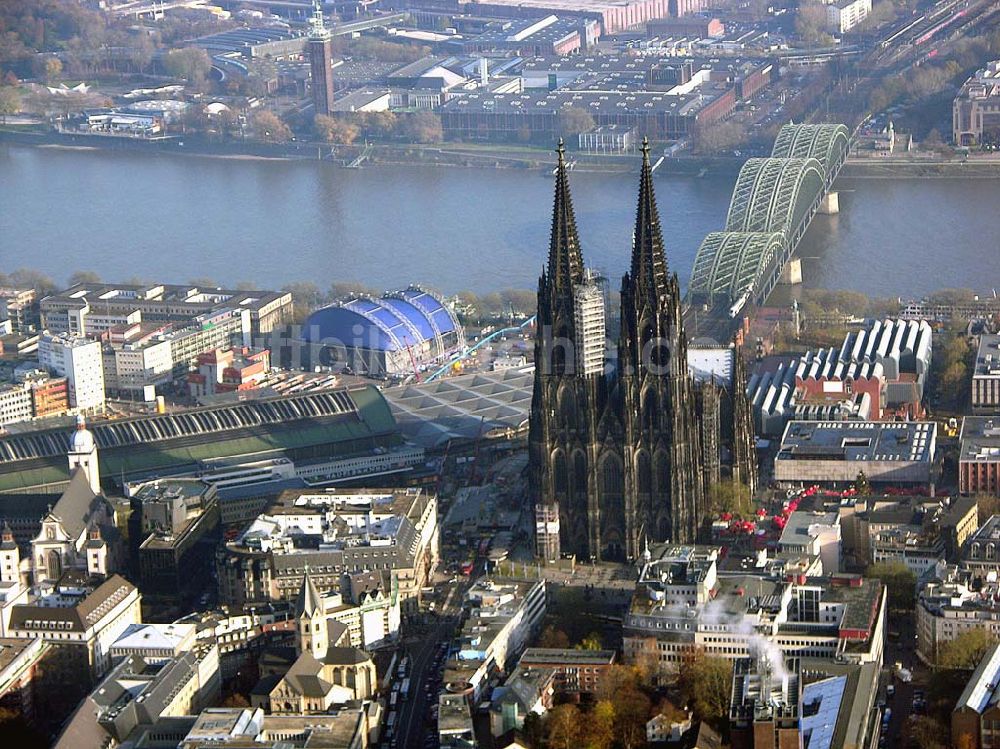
(270,222)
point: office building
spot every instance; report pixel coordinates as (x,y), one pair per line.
(68,311)
(138,693)
(81,620)
(979,456)
(682,603)
(178,523)
(976,109)
(844,15)
(332,533)
(79,360)
(986,375)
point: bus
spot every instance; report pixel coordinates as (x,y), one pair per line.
(403,666)
(405,689)
(393,699)
(390,725)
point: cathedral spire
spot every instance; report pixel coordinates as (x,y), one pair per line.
(565,260)
(649,265)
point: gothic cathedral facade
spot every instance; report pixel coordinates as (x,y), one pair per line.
(616,443)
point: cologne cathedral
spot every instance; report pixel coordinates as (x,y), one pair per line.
(623,443)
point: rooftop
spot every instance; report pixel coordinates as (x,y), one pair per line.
(988,357)
(911,441)
(980,439)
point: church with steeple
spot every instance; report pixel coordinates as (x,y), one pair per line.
(623,444)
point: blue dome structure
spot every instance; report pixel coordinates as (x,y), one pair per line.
(388,335)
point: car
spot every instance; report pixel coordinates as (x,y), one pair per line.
(890,690)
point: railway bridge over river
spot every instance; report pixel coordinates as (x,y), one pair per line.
(773,203)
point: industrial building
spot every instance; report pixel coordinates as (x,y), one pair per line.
(836,452)
(388,336)
(877,372)
(986,376)
(979,456)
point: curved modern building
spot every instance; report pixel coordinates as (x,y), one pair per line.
(384,336)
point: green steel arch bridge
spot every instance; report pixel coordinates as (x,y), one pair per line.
(773,203)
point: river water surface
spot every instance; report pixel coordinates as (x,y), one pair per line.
(273,222)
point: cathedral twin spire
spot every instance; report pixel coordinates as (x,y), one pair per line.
(649,266)
(565,259)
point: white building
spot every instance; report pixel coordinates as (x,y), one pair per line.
(79,360)
(90,619)
(814,534)
(681,604)
(15,403)
(844,15)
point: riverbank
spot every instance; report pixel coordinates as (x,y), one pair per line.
(463,155)
(480,156)
(982,167)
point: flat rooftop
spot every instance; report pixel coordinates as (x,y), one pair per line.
(980,439)
(988,357)
(911,441)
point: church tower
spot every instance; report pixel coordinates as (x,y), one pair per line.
(312,629)
(663,476)
(10,557)
(569,366)
(83,454)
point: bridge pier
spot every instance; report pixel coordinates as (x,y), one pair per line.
(830,205)
(792,272)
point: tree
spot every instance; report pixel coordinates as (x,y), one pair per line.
(204,282)
(705,683)
(590,642)
(632,708)
(598,726)
(900,583)
(924,732)
(965,651)
(10,102)
(52,69)
(563,727)
(810,23)
(33,279)
(552,637)
(190,63)
(84,276)
(719,137)
(335,129)
(270,128)
(861,485)
(571,121)
(423,127)
(730,496)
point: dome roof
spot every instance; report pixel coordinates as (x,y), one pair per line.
(390,323)
(82,440)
